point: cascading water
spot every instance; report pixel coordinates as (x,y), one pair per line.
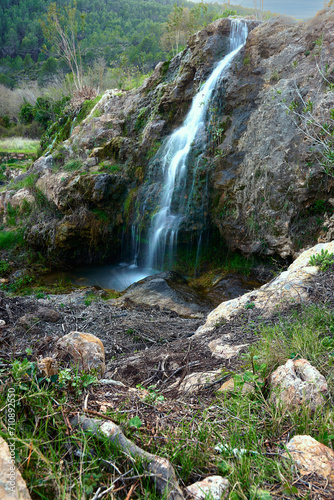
(167,220)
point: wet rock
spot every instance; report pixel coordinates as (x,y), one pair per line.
(166,290)
(298,383)
(12,485)
(310,456)
(214,487)
(85,350)
(289,286)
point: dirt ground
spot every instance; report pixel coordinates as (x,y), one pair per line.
(144,347)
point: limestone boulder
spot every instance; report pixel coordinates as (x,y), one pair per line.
(213,487)
(12,485)
(85,350)
(310,456)
(298,383)
(196,381)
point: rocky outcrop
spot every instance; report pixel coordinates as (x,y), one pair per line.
(288,287)
(273,192)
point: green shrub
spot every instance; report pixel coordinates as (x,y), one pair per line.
(323,260)
(10,239)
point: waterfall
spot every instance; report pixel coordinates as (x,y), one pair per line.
(172,206)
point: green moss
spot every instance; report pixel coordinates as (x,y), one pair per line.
(101,215)
(141,119)
(165,68)
(86,109)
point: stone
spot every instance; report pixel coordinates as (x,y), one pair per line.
(288,286)
(20,197)
(4,280)
(298,383)
(28,321)
(2,322)
(12,485)
(220,349)
(47,367)
(214,487)
(230,386)
(48,315)
(85,349)
(310,457)
(197,380)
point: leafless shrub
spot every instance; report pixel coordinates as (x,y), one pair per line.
(86,93)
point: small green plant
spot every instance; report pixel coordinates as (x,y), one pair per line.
(250,305)
(323,260)
(76,381)
(72,166)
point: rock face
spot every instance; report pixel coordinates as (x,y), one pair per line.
(310,456)
(287,287)
(86,351)
(265,184)
(12,486)
(298,383)
(269,181)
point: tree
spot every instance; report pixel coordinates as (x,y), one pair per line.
(62,31)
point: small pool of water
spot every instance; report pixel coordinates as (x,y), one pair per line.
(117,277)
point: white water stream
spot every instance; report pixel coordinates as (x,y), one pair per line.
(167,220)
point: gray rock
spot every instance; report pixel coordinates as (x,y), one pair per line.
(166,290)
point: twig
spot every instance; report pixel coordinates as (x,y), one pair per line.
(97,414)
(133,487)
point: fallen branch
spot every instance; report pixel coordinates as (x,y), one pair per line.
(159,468)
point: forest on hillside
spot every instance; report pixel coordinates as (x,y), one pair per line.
(121,33)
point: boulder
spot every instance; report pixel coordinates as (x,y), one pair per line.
(310,457)
(298,383)
(213,487)
(12,485)
(85,350)
(288,286)
(166,290)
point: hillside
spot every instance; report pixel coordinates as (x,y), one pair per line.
(111,29)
